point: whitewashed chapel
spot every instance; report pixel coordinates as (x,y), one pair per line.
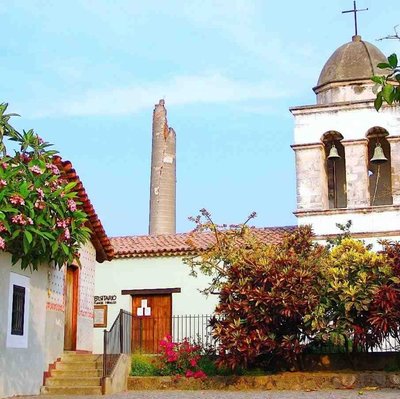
(347,153)
(347,168)
(46,312)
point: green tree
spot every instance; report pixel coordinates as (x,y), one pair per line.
(387,87)
(40,216)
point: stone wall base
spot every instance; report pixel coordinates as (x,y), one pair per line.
(296,381)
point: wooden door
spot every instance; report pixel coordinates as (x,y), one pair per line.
(152,321)
(71,308)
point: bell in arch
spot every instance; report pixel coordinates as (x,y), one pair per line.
(379,156)
(333,153)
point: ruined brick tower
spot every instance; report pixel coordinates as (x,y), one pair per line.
(163,175)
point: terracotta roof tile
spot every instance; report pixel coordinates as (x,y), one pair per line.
(177,244)
(100,240)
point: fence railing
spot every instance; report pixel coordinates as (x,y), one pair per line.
(195,328)
(147,332)
(117,341)
(130,333)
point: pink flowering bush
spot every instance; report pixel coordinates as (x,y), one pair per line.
(40,218)
(180,358)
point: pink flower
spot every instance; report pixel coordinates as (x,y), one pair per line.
(2,243)
(53,168)
(199,374)
(36,170)
(189,373)
(71,205)
(66,234)
(40,192)
(62,223)
(29,221)
(25,158)
(17,200)
(193,362)
(3,183)
(172,357)
(18,219)
(4,165)
(2,227)
(40,205)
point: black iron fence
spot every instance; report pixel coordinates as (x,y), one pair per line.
(130,334)
(143,334)
(147,332)
(195,328)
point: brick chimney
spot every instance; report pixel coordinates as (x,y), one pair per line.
(163,175)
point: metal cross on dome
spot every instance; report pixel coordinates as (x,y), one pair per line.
(355,11)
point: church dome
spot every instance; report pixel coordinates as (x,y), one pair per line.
(356,60)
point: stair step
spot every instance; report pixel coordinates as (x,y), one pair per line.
(78,365)
(73,382)
(77,373)
(95,390)
(77,357)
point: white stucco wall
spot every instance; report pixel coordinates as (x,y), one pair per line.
(373,222)
(155,272)
(84,336)
(21,369)
(352,121)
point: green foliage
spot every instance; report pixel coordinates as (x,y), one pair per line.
(344,233)
(144,365)
(352,278)
(387,87)
(272,297)
(40,218)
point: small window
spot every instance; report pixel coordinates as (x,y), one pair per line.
(18,310)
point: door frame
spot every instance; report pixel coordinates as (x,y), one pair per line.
(149,292)
(74,270)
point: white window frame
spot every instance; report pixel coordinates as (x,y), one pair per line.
(18,341)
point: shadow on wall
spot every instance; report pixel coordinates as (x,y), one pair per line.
(21,369)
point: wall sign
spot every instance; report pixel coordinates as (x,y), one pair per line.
(105,299)
(144,310)
(100,316)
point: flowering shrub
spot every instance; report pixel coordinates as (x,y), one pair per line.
(180,359)
(359,299)
(40,219)
(273,298)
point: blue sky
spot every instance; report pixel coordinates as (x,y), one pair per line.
(86,75)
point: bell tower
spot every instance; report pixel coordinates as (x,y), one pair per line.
(347,154)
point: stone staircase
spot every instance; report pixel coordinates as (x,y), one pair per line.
(75,374)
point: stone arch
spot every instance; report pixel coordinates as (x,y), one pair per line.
(379,174)
(335,170)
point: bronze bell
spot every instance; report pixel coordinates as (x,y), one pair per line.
(379,156)
(333,153)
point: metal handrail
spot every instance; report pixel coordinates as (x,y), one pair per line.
(117,341)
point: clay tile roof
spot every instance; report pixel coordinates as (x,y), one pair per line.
(102,244)
(178,244)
